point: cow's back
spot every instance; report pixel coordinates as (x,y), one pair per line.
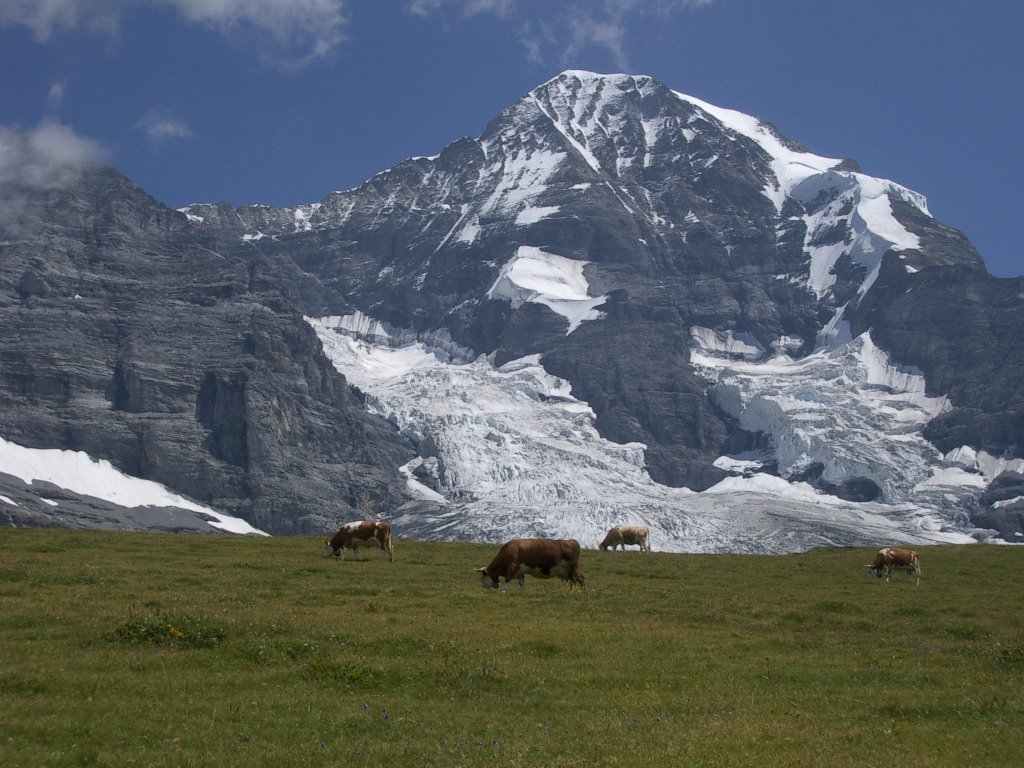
(534,553)
(540,557)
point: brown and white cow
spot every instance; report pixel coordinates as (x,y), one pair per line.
(621,535)
(361,533)
(889,558)
(542,558)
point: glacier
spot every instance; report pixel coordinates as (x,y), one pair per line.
(729,217)
(510,452)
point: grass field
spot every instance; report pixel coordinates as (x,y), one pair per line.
(122,649)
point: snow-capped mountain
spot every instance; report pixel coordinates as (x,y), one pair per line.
(622,303)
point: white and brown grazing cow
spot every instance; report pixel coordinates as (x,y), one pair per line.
(361,533)
(889,558)
(622,535)
(543,558)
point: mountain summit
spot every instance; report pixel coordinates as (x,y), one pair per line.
(673,299)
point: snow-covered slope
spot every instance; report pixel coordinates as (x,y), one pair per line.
(615,293)
(83,476)
(759,249)
(513,453)
(597,115)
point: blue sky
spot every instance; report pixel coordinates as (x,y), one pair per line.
(283,101)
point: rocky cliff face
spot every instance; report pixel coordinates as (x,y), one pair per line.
(684,216)
(128,335)
(647,246)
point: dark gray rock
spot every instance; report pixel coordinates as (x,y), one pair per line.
(1001,507)
(174,345)
(180,364)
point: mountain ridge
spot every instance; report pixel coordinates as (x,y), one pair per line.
(596,223)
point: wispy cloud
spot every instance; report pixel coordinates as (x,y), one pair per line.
(565,26)
(467,7)
(160,125)
(44,17)
(55,97)
(301,30)
(51,156)
(48,156)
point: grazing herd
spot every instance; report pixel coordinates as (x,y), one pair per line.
(560,558)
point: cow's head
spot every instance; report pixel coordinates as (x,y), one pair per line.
(486,580)
(328,549)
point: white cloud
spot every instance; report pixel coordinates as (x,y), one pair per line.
(47,157)
(161,125)
(585,30)
(51,156)
(302,29)
(44,17)
(566,26)
(468,7)
(306,28)
(55,96)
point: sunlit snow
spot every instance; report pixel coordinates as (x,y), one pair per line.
(534,275)
(847,408)
(803,176)
(78,472)
(520,456)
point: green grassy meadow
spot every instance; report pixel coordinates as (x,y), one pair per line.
(120,649)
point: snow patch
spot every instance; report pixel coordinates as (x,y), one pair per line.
(532,215)
(534,275)
(78,472)
(742,346)
(989,466)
